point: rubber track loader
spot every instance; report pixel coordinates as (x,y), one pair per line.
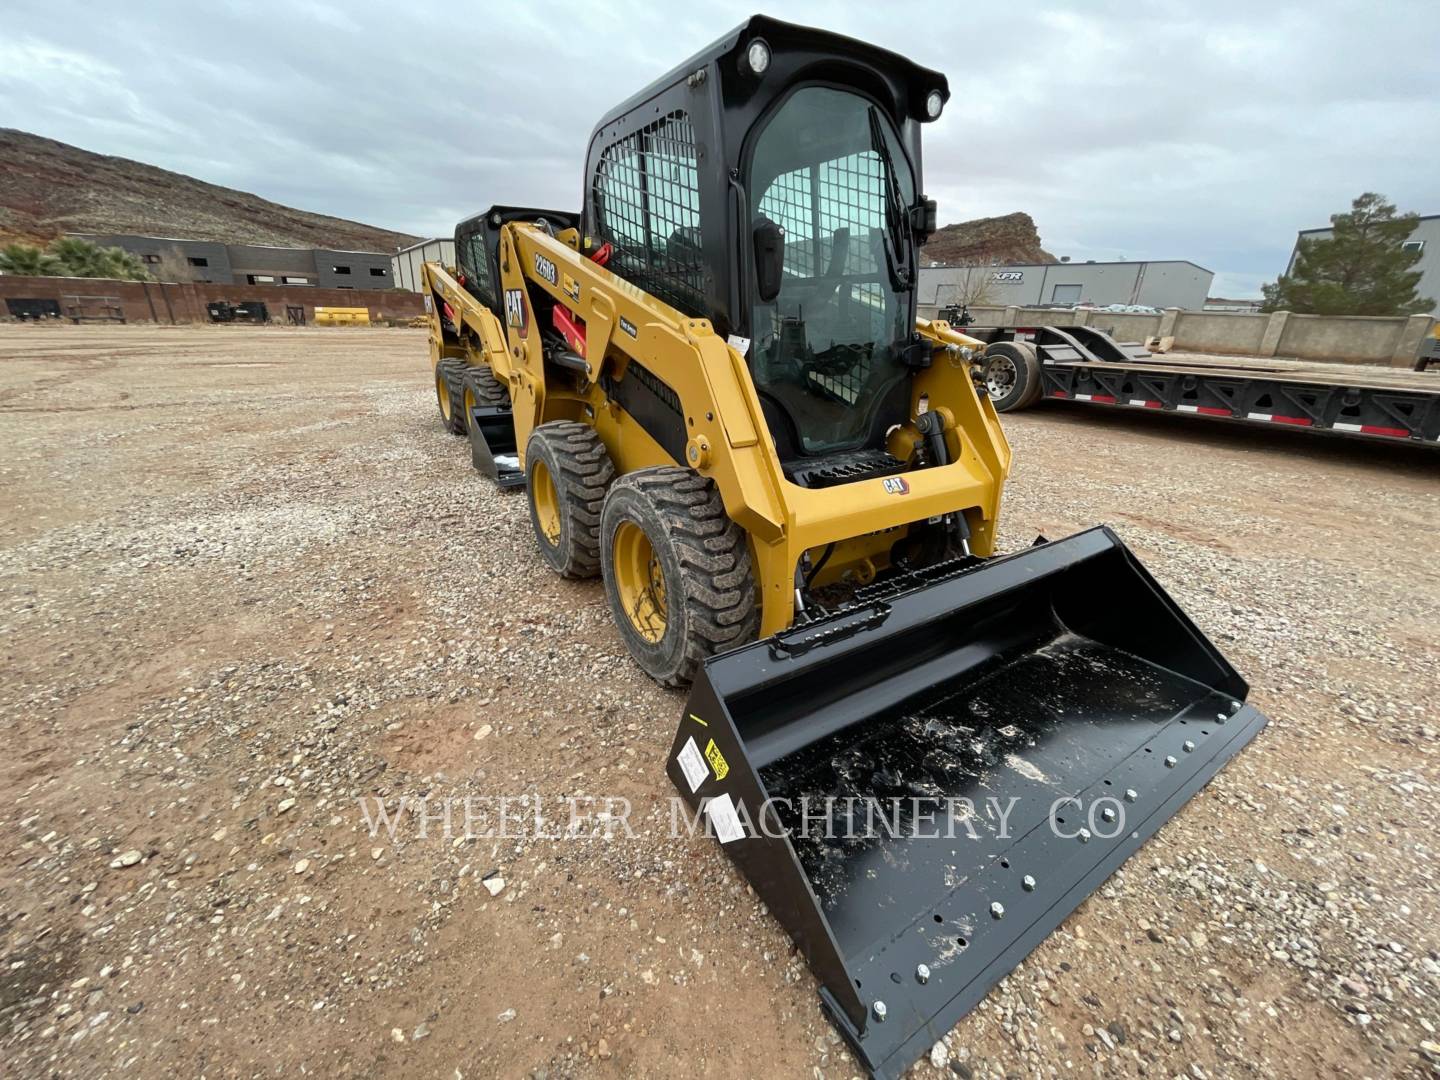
(712,386)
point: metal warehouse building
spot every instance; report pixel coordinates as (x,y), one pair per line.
(1425,239)
(174,259)
(1165,284)
(405,263)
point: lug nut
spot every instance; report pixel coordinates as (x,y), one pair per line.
(997,910)
(1027,883)
(1170,762)
(1131,794)
(879,1010)
(922,973)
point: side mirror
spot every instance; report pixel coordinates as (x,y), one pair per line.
(769,259)
(923,219)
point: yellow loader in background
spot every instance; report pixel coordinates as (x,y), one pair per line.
(712,385)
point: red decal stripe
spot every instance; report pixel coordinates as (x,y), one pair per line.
(1210,410)
(1059,393)
(1298,421)
(1103,399)
(1393,432)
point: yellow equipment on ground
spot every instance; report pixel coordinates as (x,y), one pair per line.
(342,316)
(712,384)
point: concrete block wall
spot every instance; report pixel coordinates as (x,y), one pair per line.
(167,302)
(1360,340)
(1387,341)
(1220,332)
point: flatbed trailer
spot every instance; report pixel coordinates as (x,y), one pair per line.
(1081,364)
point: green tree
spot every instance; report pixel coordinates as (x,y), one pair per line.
(27,260)
(1361,268)
(126,265)
(81,258)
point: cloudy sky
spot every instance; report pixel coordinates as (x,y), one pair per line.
(1202,131)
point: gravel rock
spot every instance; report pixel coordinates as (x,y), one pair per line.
(285,582)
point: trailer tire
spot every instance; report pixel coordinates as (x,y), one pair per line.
(1010,372)
(450,394)
(677,572)
(481,388)
(567,470)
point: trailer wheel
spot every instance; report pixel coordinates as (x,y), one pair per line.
(1011,374)
(450,394)
(677,572)
(567,470)
(480,387)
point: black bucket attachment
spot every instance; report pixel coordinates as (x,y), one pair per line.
(492,445)
(923,788)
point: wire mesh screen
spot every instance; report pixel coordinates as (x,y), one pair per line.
(852,197)
(829,208)
(647,204)
(475,265)
(789,201)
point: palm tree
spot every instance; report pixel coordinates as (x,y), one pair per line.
(80,258)
(126,265)
(27,260)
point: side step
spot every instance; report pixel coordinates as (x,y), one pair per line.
(492,446)
(922,791)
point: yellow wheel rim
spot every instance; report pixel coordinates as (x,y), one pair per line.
(469,404)
(640,581)
(547,503)
(443,393)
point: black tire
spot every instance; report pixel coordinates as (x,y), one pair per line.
(707,581)
(567,470)
(1010,373)
(450,394)
(480,387)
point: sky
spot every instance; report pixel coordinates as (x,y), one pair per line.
(1209,132)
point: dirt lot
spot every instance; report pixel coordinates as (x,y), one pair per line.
(247,580)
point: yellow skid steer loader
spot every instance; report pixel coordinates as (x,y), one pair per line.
(713,388)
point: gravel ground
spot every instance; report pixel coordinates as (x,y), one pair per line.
(248,580)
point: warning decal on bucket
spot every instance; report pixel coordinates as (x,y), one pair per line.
(724,818)
(693,765)
(717,761)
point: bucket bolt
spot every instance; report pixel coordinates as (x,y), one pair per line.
(1027,883)
(1170,761)
(922,973)
(879,1010)
(997,910)
(1108,814)
(1131,794)
(1084,835)
(1189,746)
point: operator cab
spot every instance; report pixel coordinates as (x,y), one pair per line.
(771,184)
(477,243)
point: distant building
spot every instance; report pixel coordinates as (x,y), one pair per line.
(174,259)
(1425,239)
(1220,303)
(405,263)
(1161,284)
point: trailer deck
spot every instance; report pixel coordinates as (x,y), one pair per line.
(1344,399)
(1084,365)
